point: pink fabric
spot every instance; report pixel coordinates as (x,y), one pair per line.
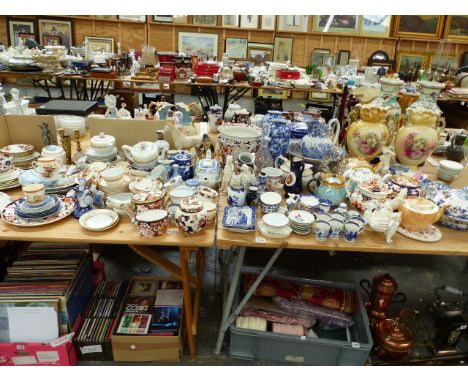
(295,330)
(279,318)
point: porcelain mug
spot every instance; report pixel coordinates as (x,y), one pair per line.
(323,216)
(274,176)
(351,231)
(336,227)
(270,202)
(338,216)
(359,221)
(322,230)
(47,167)
(34,193)
(151,223)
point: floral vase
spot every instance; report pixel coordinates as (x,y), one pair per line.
(388,99)
(366,137)
(418,136)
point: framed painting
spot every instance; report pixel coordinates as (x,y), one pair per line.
(445,62)
(180,19)
(99,44)
(422,26)
(207,20)
(201,44)
(259,51)
(410,62)
(457,27)
(377,25)
(318,55)
(140,19)
(268,22)
(31,36)
(52,40)
(293,23)
(19,26)
(249,21)
(236,48)
(230,21)
(329,60)
(283,49)
(163,19)
(62,28)
(342,57)
(345,24)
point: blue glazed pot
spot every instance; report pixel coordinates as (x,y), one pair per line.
(279,137)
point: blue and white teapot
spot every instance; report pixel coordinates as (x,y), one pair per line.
(320,139)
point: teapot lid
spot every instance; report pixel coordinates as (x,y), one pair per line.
(421,205)
(102,140)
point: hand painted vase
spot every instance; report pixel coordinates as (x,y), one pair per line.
(279,137)
(388,99)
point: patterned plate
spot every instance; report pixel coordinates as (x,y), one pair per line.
(430,234)
(67,205)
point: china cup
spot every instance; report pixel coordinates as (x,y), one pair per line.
(336,227)
(323,216)
(273,177)
(322,230)
(47,167)
(351,231)
(270,202)
(34,193)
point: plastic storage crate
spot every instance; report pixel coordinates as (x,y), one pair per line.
(353,350)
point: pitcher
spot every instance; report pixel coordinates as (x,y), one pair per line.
(320,139)
(293,181)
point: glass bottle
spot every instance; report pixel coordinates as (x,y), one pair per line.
(263,156)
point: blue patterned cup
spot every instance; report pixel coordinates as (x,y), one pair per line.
(336,227)
(351,231)
(322,230)
(270,202)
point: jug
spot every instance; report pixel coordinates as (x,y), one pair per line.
(319,143)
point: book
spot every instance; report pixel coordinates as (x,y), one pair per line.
(165,320)
(138,304)
(135,324)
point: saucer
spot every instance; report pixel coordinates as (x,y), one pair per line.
(430,234)
(20,149)
(280,234)
(99,220)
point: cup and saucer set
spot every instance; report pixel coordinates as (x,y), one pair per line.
(37,208)
(8,174)
(22,155)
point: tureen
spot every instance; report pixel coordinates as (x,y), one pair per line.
(369,190)
(239,137)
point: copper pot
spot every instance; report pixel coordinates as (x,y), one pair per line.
(381,295)
(392,338)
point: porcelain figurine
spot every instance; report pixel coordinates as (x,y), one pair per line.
(318,144)
(215,118)
(178,140)
(386,159)
(191,216)
(208,168)
(83,198)
(111,103)
(162,145)
(227,174)
(382,219)
(45,134)
(205,145)
(98,196)
(247,176)
(124,113)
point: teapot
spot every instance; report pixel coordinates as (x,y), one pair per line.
(209,169)
(319,143)
(144,154)
(332,187)
(419,213)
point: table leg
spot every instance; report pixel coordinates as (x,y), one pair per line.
(184,260)
(198,290)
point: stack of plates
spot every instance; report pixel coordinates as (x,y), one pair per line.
(99,220)
(93,155)
(112,188)
(301,221)
(308,203)
(449,170)
(9,179)
(22,155)
(50,206)
(239,219)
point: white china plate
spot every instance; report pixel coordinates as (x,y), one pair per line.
(285,232)
(431,234)
(99,220)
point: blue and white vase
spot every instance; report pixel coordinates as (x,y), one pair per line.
(279,137)
(236,196)
(184,161)
(319,142)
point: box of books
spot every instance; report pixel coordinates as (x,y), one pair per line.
(149,326)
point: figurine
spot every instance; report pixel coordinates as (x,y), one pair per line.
(247,176)
(385,160)
(111,102)
(45,132)
(139,113)
(179,141)
(83,198)
(124,113)
(205,145)
(16,100)
(228,171)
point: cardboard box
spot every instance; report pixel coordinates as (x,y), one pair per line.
(147,348)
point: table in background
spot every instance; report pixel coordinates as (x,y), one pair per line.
(43,80)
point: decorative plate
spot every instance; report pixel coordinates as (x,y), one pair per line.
(17,149)
(239,218)
(67,205)
(99,220)
(430,234)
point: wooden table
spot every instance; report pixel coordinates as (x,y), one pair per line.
(38,78)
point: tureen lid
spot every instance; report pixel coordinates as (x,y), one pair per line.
(191,205)
(102,140)
(391,81)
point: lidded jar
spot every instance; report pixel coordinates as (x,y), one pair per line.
(191,216)
(102,142)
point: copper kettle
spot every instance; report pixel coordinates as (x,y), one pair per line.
(381,295)
(392,338)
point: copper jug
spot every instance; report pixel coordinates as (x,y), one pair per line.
(392,338)
(381,295)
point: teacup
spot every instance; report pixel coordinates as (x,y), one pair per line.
(323,216)
(193,183)
(206,194)
(120,202)
(343,208)
(47,167)
(180,193)
(211,211)
(55,151)
(322,230)
(338,216)
(351,214)
(351,231)
(151,223)
(359,221)
(325,204)
(336,227)
(270,202)
(273,177)
(34,193)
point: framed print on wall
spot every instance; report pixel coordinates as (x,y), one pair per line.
(19,26)
(318,55)
(51,40)
(236,48)
(283,49)
(268,22)
(423,26)
(377,25)
(256,50)
(445,62)
(293,23)
(344,24)
(56,27)
(99,44)
(410,62)
(206,20)
(343,57)
(163,18)
(230,21)
(133,18)
(201,44)
(249,21)
(457,27)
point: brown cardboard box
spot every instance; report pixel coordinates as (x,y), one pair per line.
(147,348)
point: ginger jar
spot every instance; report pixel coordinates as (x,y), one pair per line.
(366,137)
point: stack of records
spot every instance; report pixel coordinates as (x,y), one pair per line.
(93,337)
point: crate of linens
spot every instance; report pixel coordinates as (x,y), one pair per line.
(302,321)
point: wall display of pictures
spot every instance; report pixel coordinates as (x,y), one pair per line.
(346,24)
(293,23)
(257,51)
(201,44)
(230,21)
(343,57)
(283,49)
(249,21)
(99,44)
(206,20)
(56,27)
(377,25)
(163,19)
(268,22)
(410,62)
(418,26)
(236,48)
(16,27)
(318,55)
(457,27)
(133,18)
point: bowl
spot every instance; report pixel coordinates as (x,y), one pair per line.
(151,223)
(180,193)
(112,174)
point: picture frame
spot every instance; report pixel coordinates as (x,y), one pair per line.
(344,24)
(293,23)
(17,26)
(163,18)
(419,26)
(283,49)
(407,61)
(268,22)
(205,20)
(444,62)
(256,49)
(51,40)
(136,18)
(202,44)
(342,58)
(329,60)
(457,28)
(56,27)
(28,35)
(380,58)
(318,56)
(249,21)
(95,44)
(236,48)
(106,17)
(376,25)
(230,21)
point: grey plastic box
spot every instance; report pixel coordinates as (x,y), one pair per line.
(352,351)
